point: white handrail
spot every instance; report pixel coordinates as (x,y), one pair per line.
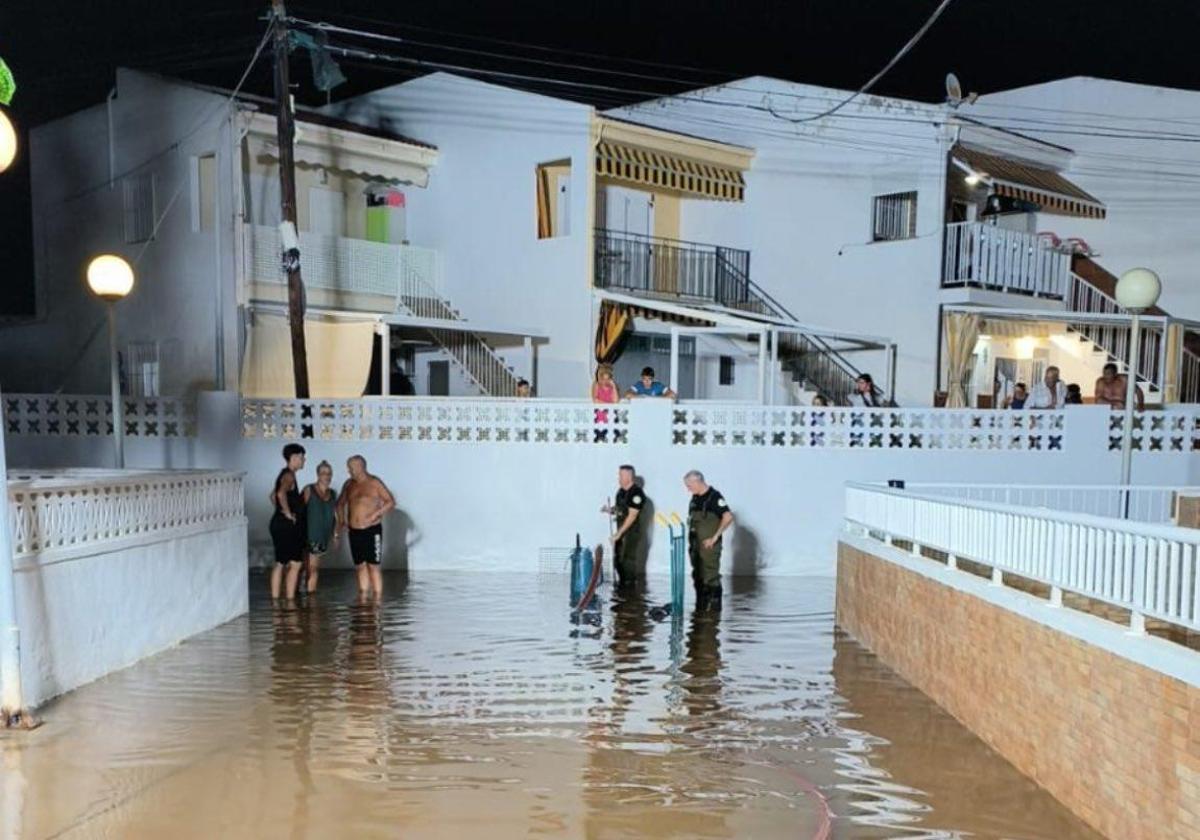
(1151,570)
(1145,503)
(993,257)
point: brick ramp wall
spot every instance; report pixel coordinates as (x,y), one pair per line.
(1116,742)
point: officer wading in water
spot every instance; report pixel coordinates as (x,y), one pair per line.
(625,511)
(708,518)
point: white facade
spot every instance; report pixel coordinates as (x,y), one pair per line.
(88,169)
(1135,148)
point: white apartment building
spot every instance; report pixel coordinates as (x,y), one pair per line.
(457,235)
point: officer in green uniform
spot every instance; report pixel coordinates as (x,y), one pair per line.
(708,518)
(626,511)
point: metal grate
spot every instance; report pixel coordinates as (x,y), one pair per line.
(139,207)
(895,216)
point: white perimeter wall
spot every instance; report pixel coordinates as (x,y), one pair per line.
(85,617)
(1149,186)
(480,212)
(490,505)
(174,299)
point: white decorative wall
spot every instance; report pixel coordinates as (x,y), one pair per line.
(488,484)
(113,567)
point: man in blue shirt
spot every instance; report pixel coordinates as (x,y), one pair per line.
(648,386)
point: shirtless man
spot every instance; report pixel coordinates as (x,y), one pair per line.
(363,503)
(1110,390)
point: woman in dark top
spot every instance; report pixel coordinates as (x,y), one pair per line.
(288,530)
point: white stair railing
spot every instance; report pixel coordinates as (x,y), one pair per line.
(369,273)
(1113,339)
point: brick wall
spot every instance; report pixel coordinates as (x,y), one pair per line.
(1116,742)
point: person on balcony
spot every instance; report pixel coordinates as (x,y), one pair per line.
(1019,396)
(1111,388)
(1051,393)
(864,393)
(648,386)
(288,529)
(1074,394)
(524,391)
(604,387)
(708,518)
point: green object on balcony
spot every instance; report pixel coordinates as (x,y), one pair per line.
(378,224)
(8,85)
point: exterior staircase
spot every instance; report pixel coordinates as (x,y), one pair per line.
(481,364)
(690,272)
(1093,289)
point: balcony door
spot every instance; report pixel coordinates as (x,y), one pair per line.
(629,217)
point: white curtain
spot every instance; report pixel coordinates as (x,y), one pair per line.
(962,333)
(339,357)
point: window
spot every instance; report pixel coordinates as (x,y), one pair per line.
(204,192)
(139,207)
(895,217)
(726,374)
(554,199)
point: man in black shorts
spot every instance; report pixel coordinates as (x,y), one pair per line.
(364,502)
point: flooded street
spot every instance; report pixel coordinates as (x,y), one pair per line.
(469,705)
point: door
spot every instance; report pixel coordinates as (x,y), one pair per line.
(326,211)
(629,218)
(439,379)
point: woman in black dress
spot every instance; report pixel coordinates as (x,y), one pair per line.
(287,524)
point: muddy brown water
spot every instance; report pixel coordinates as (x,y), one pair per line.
(469,705)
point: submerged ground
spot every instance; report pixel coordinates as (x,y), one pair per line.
(470,705)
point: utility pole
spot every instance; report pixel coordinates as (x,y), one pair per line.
(289,238)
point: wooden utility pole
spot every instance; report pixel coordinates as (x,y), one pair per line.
(286,131)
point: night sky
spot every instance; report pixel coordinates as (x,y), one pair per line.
(63,54)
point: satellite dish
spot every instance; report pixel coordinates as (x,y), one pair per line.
(954,94)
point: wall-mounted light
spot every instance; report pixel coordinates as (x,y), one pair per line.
(973,179)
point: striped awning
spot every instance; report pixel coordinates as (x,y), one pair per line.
(664,315)
(660,170)
(1026,182)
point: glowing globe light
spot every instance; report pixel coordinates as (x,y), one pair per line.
(8,142)
(1138,289)
(110,277)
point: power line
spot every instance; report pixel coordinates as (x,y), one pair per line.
(176,143)
(912,42)
(538,47)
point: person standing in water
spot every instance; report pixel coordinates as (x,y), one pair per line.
(321,514)
(708,518)
(364,501)
(627,538)
(287,524)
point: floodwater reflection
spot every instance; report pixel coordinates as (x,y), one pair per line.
(471,705)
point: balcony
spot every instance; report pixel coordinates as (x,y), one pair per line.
(984,256)
(344,273)
(671,269)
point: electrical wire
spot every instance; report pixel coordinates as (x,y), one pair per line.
(201,123)
(912,42)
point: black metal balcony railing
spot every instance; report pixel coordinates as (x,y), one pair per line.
(700,273)
(671,268)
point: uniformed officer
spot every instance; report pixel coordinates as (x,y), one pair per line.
(708,518)
(625,511)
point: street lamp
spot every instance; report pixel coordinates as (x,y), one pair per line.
(111,278)
(8,142)
(1137,290)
